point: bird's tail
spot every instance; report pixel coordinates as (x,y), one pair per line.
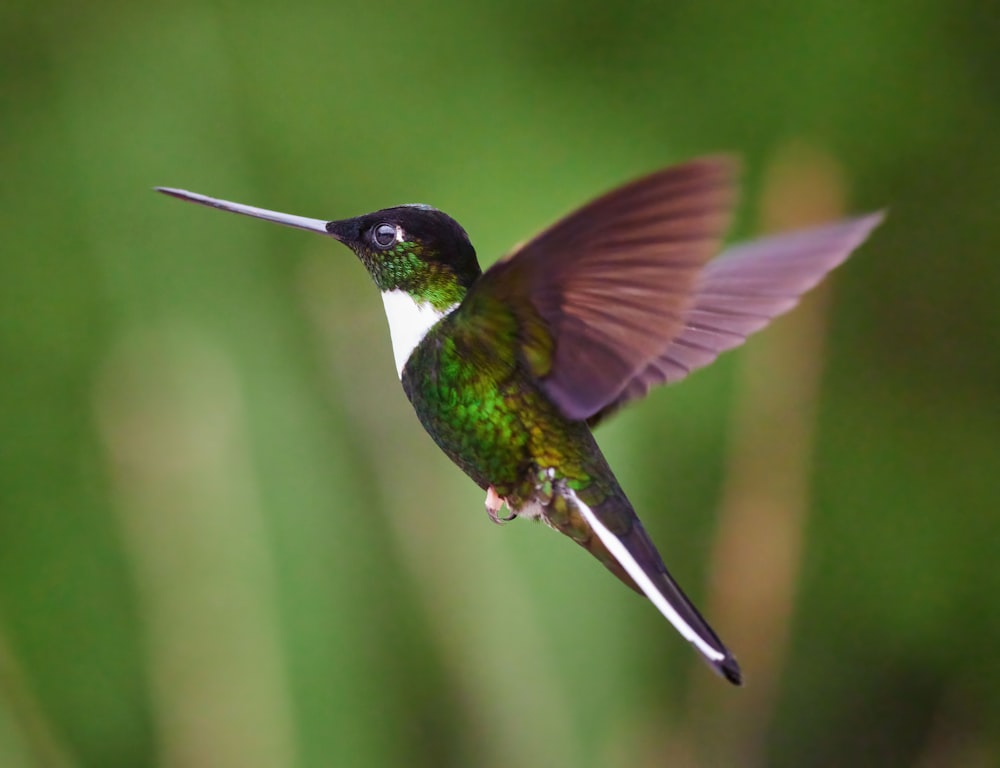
(620,542)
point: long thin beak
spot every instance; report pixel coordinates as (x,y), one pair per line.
(301,222)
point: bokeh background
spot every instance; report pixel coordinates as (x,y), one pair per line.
(225,539)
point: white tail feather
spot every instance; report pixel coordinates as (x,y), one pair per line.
(642,580)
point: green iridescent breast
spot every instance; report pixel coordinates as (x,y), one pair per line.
(475,398)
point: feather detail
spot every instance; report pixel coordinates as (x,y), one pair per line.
(611,284)
(740,292)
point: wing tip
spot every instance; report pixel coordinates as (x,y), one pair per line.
(867,222)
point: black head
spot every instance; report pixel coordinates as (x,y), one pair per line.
(412,248)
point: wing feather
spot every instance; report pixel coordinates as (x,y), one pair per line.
(620,295)
(612,283)
(740,292)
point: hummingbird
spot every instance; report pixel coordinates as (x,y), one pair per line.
(510,369)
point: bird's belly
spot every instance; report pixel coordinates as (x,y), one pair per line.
(478,428)
(493,420)
(496,425)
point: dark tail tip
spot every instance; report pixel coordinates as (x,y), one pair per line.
(729,668)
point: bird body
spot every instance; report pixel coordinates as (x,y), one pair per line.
(508,370)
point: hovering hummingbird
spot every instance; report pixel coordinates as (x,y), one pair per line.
(509,370)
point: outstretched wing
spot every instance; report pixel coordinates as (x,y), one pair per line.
(740,292)
(603,292)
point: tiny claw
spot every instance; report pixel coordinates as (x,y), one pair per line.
(494,503)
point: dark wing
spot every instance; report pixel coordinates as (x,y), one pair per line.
(741,292)
(606,289)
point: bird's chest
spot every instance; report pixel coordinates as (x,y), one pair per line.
(480,412)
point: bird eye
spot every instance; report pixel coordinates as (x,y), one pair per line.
(384,235)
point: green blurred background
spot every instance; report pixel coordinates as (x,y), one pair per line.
(225,539)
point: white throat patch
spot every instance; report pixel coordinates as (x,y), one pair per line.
(409,322)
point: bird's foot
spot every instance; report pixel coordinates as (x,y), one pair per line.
(494,503)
